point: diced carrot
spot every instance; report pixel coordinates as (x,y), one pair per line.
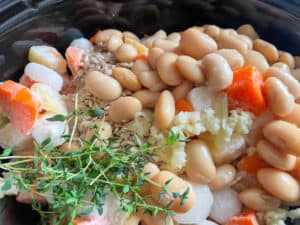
(74,57)
(142,56)
(142,49)
(8,91)
(82,221)
(251,164)
(19,105)
(247,218)
(183,106)
(296,171)
(25,110)
(246,90)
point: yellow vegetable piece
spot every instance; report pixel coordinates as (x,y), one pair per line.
(51,101)
(48,56)
(142,49)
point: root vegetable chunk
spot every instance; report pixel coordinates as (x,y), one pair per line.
(19,105)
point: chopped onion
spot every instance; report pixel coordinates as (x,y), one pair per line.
(201,98)
(201,208)
(37,73)
(50,129)
(226,205)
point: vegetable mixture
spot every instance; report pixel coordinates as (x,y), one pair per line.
(197,127)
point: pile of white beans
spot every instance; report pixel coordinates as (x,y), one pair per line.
(206,55)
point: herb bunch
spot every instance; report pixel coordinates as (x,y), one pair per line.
(65,179)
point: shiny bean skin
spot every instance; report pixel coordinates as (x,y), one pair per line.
(153,55)
(292,84)
(147,98)
(175,36)
(166,45)
(246,39)
(225,174)
(229,31)
(151,170)
(190,68)
(255,58)
(164,111)
(176,185)
(283,66)
(284,135)
(275,157)
(287,58)
(181,91)
(233,57)
(159,87)
(166,67)
(114,43)
(128,34)
(217,71)
(228,41)
(257,199)
(248,30)
(161,34)
(159,219)
(280,101)
(105,35)
(200,167)
(213,31)
(140,66)
(294,116)
(279,183)
(126,53)
(104,130)
(196,44)
(267,49)
(126,78)
(149,78)
(102,86)
(123,109)
(199,28)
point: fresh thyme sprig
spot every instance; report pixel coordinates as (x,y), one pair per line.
(67,179)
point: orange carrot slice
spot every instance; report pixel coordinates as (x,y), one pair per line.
(8,91)
(247,218)
(142,56)
(246,90)
(75,57)
(19,105)
(251,164)
(183,106)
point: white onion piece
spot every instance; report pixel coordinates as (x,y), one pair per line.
(207,222)
(38,73)
(50,129)
(110,216)
(226,205)
(201,208)
(82,43)
(201,98)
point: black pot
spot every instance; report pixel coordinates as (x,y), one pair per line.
(25,23)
